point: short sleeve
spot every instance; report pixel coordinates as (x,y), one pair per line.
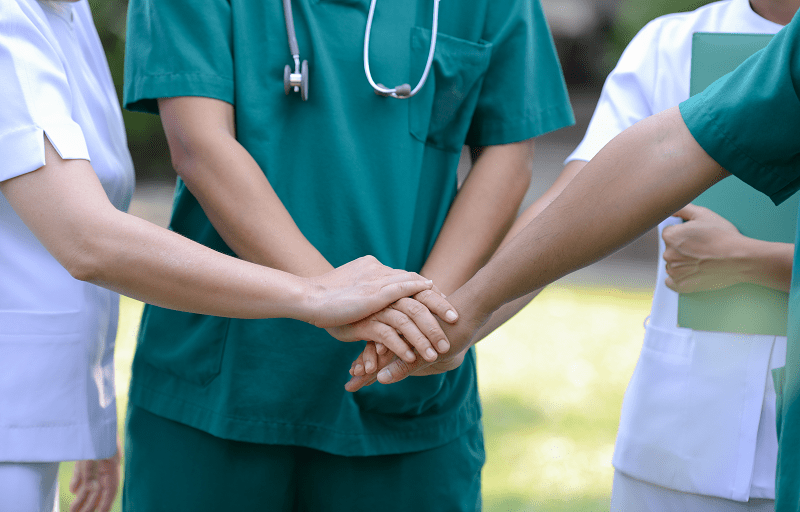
(749,120)
(627,95)
(177,48)
(37,99)
(524,94)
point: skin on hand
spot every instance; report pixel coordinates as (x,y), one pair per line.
(461,336)
(701,253)
(95,483)
(707,252)
(245,210)
(406,326)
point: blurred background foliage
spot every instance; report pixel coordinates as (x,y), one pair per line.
(590,36)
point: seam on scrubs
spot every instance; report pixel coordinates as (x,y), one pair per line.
(414,433)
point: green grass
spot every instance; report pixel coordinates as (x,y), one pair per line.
(551,379)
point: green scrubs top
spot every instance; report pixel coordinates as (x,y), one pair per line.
(359,173)
(749,122)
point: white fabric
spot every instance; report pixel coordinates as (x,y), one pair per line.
(56,333)
(29,487)
(699,413)
(631,495)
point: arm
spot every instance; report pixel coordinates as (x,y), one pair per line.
(508,310)
(251,219)
(65,206)
(707,252)
(481,215)
(642,176)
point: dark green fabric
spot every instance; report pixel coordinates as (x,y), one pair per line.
(749,122)
(360,174)
(172,467)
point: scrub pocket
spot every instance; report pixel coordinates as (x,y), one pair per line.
(441,113)
(43,366)
(185,345)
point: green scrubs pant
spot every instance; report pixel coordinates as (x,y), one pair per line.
(171,467)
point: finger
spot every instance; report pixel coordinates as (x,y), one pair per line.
(671,284)
(426,335)
(370,358)
(357,365)
(380,348)
(359,381)
(383,327)
(688,212)
(86,497)
(398,370)
(108,486)
(393,291)
(409,316)
(438,305)
(77,477)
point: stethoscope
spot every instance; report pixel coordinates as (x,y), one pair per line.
(298,81)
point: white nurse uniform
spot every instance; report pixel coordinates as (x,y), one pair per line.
(56,333)
(699,413)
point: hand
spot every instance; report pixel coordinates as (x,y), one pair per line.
(413,318)
(394,369)
(95,483)
(364,286)
(703,252)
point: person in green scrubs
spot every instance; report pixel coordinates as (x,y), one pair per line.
(214,421)
(746,124)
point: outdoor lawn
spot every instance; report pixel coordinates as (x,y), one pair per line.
(552,381)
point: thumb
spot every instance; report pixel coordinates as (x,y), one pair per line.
(688,212)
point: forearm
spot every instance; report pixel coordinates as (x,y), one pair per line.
(638,179)
(232,189)
(508,310)
(481,215)
(766,263)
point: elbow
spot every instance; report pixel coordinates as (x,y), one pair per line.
(83,263)
(87,257)
(523,172)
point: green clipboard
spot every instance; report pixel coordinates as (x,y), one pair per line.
(742,308)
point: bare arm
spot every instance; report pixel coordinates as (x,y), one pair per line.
(481,215)
(231,187)
(508,310)
(644,175)
(65,206)
(249,216)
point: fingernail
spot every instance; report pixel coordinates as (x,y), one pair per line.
(443,346)
(451,316)
(410,355)
(431,354)
(368,365)
(358,368)
(428,281)
(385,376)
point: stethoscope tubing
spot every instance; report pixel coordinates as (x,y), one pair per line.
(393,91)
(293,47)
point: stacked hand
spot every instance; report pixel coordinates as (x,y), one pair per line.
(365,300)
(390,369)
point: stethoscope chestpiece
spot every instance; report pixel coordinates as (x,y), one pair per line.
(297,81)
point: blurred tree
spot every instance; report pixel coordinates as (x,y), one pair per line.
(145,135)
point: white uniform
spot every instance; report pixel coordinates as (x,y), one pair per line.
(699,413)
(57,334)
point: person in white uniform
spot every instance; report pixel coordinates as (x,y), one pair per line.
(721,450)
(65,178)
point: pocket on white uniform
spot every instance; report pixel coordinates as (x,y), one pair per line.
(42,368)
